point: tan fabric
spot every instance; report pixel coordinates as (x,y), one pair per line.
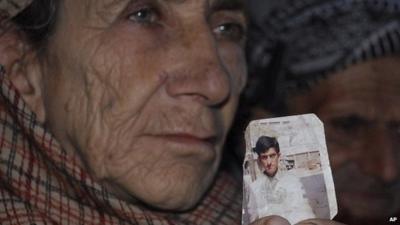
(10,8)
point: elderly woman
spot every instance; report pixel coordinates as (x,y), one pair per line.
(116,111)
(340,60)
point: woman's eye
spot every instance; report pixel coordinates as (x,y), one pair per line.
(232,31)
(145,15)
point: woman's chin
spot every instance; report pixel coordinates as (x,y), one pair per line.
(178,189)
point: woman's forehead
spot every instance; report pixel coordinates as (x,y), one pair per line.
(102,13)
(225,4)
(11,8)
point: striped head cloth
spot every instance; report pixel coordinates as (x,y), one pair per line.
(10,8)
(295,43)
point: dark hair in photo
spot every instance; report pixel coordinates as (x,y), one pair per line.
(264,143)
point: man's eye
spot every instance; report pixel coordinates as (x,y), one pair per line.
(395,128)
(232,31)
(349,124)
(145,15)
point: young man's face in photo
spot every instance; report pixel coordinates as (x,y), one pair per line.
(269,161)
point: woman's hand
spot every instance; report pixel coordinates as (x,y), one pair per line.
(271,220)
(277,220)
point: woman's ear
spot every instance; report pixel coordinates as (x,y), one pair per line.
(23,68)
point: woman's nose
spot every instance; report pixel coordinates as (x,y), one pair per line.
(200,72)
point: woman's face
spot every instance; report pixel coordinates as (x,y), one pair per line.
(145,91)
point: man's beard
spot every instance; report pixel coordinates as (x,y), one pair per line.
(363,197)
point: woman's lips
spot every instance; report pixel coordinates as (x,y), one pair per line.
(189,139)
(187,144)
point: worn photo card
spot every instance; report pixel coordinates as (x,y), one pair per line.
(286,170)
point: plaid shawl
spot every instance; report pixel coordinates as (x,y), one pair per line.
(41,184)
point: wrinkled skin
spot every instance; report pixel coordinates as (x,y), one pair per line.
(361,113)
(145,92)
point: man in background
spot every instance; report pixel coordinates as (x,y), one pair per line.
(339,60)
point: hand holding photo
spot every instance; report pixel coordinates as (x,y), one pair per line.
(286,171)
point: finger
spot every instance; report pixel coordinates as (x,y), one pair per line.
(319,222)
(271,220)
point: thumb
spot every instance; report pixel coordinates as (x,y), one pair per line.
(271,220)
(319,222)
